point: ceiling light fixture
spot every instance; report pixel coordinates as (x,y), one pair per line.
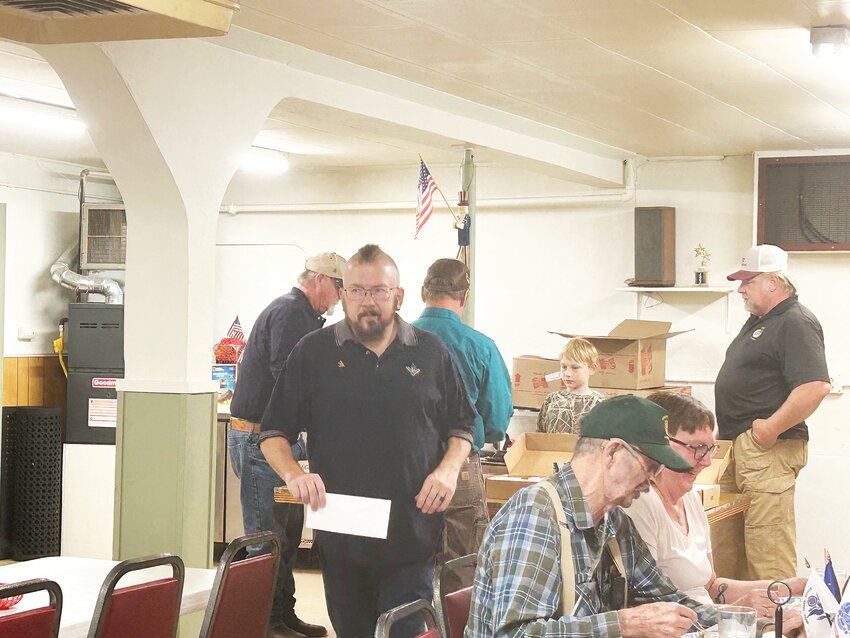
(830,41)
(41,121)
(265,161)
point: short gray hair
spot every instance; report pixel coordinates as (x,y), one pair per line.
(306,277)
(586,446)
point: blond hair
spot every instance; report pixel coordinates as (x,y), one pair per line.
(580,350)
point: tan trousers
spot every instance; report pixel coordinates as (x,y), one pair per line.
(466,518)
(768,477)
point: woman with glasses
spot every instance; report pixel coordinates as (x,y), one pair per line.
(672,522)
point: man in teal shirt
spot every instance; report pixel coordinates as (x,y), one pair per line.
(488,387)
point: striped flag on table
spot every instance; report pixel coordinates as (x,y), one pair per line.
(424,195)
(235,332)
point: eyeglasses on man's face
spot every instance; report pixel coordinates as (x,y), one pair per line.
(379,293)
(653,470)
(699,450)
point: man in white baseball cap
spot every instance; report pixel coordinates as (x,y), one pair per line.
(774,377)
(765,259)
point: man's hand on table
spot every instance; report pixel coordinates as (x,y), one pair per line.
(656,620)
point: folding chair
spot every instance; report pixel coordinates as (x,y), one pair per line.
(453,594)
(243,590)
(147,610)
(33,623)
(421,606)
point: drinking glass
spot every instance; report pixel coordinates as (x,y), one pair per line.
(736,622)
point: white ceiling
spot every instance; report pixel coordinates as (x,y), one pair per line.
(652,77)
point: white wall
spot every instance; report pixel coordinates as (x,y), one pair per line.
(42,214)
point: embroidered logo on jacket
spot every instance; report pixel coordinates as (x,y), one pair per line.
(413,370)
(340,364)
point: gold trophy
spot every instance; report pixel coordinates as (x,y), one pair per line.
(701,273)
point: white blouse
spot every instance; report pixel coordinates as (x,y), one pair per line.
(683,558)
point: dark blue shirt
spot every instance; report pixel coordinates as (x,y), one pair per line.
(376,427)
(276,331)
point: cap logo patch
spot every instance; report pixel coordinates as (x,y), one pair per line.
(340,364)
(666,421)
(757,333)
(412,369)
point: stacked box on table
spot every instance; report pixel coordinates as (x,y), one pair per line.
(631,356)
(535,378)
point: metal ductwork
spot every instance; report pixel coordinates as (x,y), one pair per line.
(73,21)
(62,274)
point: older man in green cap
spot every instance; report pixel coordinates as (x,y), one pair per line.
(562,559)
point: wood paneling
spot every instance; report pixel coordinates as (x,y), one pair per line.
(34,381)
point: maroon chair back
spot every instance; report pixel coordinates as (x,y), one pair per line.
(149,610)
(243,590)
(456,608)
(421,606)
(455,576)
(34,623)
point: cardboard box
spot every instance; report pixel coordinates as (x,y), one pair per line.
(614,392)
(530,459)
(632,356)
(536,377)
(530,385)
(719,462)
(709,494)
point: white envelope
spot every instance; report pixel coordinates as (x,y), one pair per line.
(356,515)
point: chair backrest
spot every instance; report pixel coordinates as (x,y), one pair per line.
(455,575)
(421,606)
(149,609)
(243,590)
(456,609)
(33,623)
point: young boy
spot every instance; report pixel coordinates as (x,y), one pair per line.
(562,410)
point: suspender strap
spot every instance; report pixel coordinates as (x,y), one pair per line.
(567,599)
(614,548)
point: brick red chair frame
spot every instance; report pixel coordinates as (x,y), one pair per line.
(42,622)
(448,601)
(102,625)
(246,607)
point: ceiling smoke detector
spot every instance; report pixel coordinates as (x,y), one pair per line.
(830,40)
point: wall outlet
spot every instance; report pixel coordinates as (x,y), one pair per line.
(25,334)
(837,382)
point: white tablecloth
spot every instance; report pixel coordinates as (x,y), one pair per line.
(80,580)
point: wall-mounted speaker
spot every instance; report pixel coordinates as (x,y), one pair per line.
(655,246)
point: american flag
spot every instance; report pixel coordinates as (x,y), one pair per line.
(235,332)
(424,193)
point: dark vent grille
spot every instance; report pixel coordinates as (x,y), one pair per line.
(31,484)
(804,202)
(71,7)
(105,238)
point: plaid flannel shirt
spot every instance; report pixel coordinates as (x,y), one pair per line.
(518,577)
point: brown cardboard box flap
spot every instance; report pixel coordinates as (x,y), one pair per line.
(534,453)
(719,462)
(631,329)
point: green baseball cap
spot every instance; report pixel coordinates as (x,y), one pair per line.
(638,422)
